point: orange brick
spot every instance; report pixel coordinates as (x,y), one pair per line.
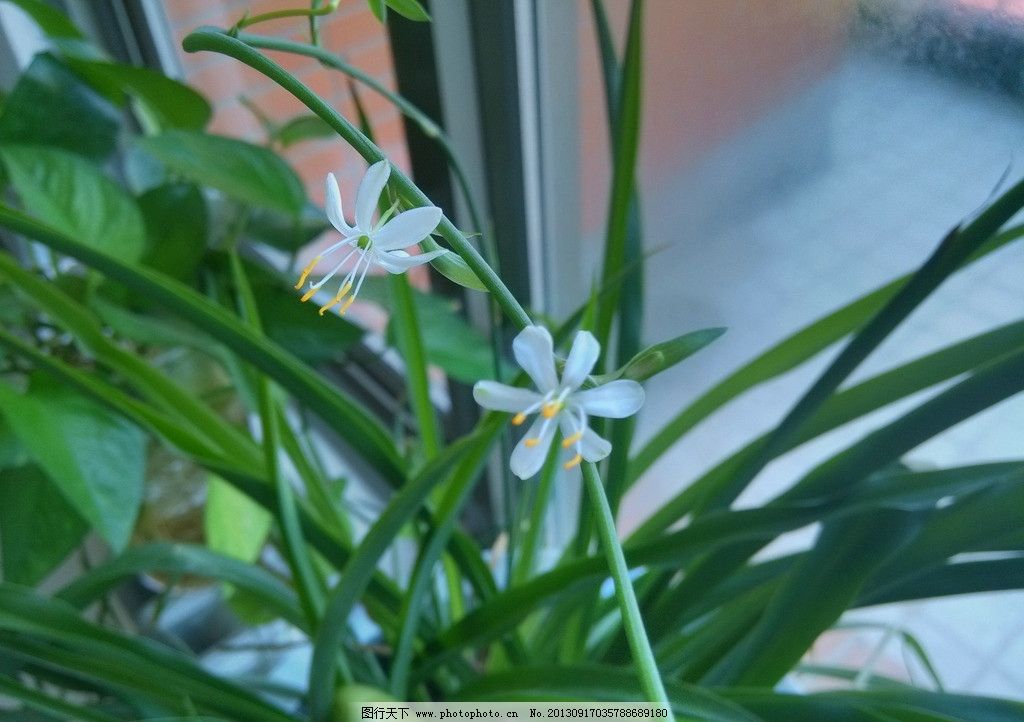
(278,104)
(194,12)
(235,121)
(224,82)
(346,33)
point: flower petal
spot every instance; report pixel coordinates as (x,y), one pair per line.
(528,459)
(593,447)
(582,357)
(332,205)
(400,261)
(614,400)
(535,353)
(407,228)
(369,193)
(501,397)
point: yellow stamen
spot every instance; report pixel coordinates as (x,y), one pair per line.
(574,461)
(341,311)
(518,419)
(572,439)
(309,294)
(336,300)
(550,409)
(530,443)
(306,271)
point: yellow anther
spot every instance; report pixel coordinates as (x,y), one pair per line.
(572,439)
(336,300)
(550,409)
(309,294)
(341,311)
(306,271)
(518,419)
(574,461)
(530,443)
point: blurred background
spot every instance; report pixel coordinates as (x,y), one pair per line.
(795,155)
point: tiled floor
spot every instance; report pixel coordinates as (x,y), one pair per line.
(906,154)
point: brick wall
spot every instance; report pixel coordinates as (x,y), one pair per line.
(351,31)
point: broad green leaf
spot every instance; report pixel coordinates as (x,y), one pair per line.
(146,379)
(30,503)
(50,106)
(70,194)
(93,456)
(450,342)
(246,172)
(284,231)
(382,599)
(233,524)
(298,326)
(410,9)
(378,9)
(172,104)
(300,329)
(303,127)
(176,229)
(50,20)
(11,453)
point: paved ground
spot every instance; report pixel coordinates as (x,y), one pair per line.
(843,188)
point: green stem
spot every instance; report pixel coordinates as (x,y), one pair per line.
(289,13)
(643,657)
(328,511)
(309,591)
(410,344)
(527,557)
(220,41)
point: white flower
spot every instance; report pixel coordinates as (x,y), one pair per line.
(377,244)
(559,403)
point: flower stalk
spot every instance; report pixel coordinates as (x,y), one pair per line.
(640,646)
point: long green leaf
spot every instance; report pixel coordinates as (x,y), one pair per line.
(813,597)
(848,405)
(34,699)
(786,355)
(626,144)
(598,684)
(113,658)
(383,599)
(842,706)
(150,382)
(463,478)
(357,573)
(183,559)
(365,434)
